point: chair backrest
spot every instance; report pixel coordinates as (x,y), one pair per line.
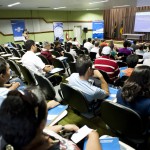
(74,98)
(85,50)
(45,61)
(69,57)
(28,76)
(122,120)
(72,66)
(58,64)
(14,67)
(121,64)
(124,56)
(8,50)
(55,53)
(79,52)
(46,86)
(19,46)
(21,52)
(106,77)
(93,55)
(16,53)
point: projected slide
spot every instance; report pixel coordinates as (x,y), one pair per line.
(142,22)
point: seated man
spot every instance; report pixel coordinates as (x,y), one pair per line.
(88,45)
(125,50)
(105,63)
(80,80)
(35,64)
(132,61)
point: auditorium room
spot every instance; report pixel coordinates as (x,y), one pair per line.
(74,75)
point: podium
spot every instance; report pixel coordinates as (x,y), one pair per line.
(129,36)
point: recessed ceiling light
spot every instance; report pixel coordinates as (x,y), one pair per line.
(98,2)
(59,8)
(93,9)
(121,6)
(11,5)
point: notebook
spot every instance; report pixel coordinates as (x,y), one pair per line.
(110,143)
(55,112)
(113,93)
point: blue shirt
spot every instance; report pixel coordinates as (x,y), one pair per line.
(141,105)
(90,91)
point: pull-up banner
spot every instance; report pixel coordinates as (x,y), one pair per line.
(18,26)
(58,30)
(98,29)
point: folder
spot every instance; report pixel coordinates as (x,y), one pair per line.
(111,143)
(113,93)
(54,113)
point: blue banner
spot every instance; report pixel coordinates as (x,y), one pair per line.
(98,29)
(58,30)
(18,26)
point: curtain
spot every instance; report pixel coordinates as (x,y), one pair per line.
(122,18)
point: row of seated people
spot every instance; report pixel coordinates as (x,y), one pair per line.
(28,108)
(87,71)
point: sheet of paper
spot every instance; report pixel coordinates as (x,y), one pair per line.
(51,117)
(56,70)
(81,133)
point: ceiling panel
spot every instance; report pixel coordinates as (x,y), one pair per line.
(70,4)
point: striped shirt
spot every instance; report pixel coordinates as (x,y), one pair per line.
(108,65)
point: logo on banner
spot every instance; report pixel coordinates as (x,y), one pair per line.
(98,29)
(18,26)
(58,30)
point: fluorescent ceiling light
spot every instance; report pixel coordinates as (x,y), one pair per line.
(121,6)
(93,9)
(11,5)
(98,2)
(59,8)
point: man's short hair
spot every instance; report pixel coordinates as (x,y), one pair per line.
(96,44)
(3,65)
(46,43)
(132,60)
(28,44)
(82,64)
(89,39)
(125,44)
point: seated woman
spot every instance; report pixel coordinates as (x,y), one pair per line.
(23,118)
(135,93)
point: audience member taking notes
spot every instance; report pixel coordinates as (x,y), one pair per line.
(30,112)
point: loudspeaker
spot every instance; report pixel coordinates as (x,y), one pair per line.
(85,30)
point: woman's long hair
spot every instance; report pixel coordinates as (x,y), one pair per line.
(138,84)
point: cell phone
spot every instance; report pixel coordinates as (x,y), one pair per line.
(91,81)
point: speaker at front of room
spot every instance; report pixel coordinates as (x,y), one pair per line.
(85,30)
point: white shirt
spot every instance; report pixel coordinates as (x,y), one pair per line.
(139,52)
(33,62)
(146,55)
(95,49)
(3,94)
(76,43)
(88,45)
(73,53)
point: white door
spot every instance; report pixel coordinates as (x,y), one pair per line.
(78,33)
